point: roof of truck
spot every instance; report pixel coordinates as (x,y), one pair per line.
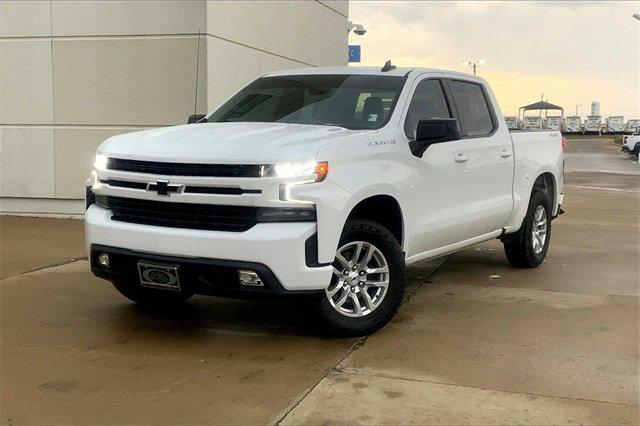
(399,71)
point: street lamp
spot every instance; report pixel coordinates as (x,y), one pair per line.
(637,16)
(475,64)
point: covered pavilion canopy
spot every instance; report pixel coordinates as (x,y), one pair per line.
(541,106)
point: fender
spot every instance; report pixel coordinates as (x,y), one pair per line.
(375,191)
(334,204)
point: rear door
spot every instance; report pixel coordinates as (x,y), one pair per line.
(488,150)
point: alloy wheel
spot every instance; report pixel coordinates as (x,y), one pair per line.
(360,279)
(539,229)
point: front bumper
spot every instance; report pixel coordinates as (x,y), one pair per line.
(277,249)
(196,275)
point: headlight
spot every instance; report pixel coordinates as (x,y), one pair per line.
(100,162)
(316,171)
(102,201)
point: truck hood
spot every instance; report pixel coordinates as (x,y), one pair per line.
(239,143)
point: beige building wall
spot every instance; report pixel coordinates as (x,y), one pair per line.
(73,73)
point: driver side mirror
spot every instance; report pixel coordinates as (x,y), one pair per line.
(434,130)
(196,118)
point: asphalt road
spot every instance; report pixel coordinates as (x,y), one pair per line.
(475,341)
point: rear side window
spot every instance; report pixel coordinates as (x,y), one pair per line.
(428,102)
(473,109)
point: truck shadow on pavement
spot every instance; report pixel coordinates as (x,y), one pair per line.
(203,316)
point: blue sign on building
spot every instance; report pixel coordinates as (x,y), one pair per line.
(354,53)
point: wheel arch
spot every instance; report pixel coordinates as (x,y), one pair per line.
(383,209)
(546,182)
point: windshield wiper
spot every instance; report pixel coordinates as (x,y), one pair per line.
(346,127)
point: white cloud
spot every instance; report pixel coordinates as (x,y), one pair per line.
(575,51)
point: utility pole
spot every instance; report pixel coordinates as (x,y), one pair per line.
(475,64)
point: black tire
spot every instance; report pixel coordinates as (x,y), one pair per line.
(519,248)
(133,291)
(371,232)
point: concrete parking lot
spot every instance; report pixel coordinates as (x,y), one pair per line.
(476,341)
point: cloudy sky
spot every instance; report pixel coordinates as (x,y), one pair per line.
(573,52)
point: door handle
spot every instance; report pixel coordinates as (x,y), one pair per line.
(505,153)
(461,158)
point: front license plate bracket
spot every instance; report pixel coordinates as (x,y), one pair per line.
(158,276)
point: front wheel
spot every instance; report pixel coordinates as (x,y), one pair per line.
(368,280)
(530,246)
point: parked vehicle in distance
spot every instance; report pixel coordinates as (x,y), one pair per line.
(572,124)
(304,183)
(615,124)
(512,122)
(632,126)
(533,122)
(553,123)
(593,124)
(631,144)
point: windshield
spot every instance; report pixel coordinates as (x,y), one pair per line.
(349,101)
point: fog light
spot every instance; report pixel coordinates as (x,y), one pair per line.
(250,278)
(103,260)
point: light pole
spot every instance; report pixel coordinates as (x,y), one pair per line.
(578,107)
(475,64)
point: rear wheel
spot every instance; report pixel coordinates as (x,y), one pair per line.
(528,248)
(368,280)
(133,291)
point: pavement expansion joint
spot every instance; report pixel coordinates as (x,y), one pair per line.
(42,268)
(427,280)
(333,369)
(338,367)
(355,371)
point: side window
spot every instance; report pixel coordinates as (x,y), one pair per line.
(473,110)
(428,102)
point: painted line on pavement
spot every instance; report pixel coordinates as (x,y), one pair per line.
(603,189)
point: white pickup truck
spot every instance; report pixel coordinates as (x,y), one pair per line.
(631,144)
(325,182)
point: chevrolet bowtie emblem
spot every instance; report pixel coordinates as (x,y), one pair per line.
(163,187)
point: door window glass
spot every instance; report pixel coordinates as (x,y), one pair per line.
(473,110)
(428,102)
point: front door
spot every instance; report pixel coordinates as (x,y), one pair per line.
(439,200)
